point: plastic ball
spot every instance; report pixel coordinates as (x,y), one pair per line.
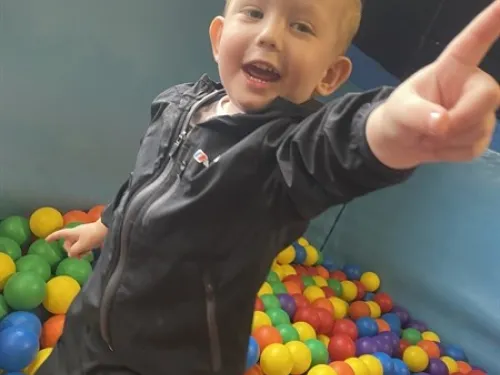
(320,281)
(51,252)
(400,367)
(382,346)
(359,309)
(341,347)
(386,362)
(270,301)
(278,288)
(319,352)
(259,306)
(324,303)
(370,281)
(254,370)
(393,321)
(358,366)
(308,315)
(365,345)
(325,340)
(313,293)
(300,254)
(322,370)
(95,213)
(300,301)
(272,277)
(24,291)
(288,333)
(10,247)
(437,367)
(312,255)
(265,289)
(19,347)
(412,335)
(260,319)
(431,348)
(361,290)
(352,271)
(276,360)
(40,357)
(349,291)
(338,275)
(373,364)
(367,327)
(4,308)
(267,335)
(402,313)
(51,331)
(384,301)
(36,264)
(416,358)
(7,269)
(253,353)
(278,316)
(287,270)
(301,357)
(75,216)
(61,291)
(383,326)
(45,220)
(347,327)
(450,363)
(342,368)
(305,331)
(286,256)
(308,281)
(339,306)
(323,272)
(455,352)
(326,321)
(336,286)
(430,336)
(369,296)
(418,325)
(375,311)
(288,304)
(464,367)
(329,264)
(16,228)
(24,320)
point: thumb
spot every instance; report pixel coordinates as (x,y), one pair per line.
(63,233)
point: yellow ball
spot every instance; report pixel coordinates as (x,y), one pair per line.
(313,292)
(260,319)
(301,357)
(375,311)
(305,331)
(286,256)
(61,291)
(339,307)
(370,281)
(303,242)
(320,281)
(40,357)
(358,366)
(45,220)
(349,291)
(7,269)
(278,270)
(265,289)
(416,358)
(324,339)
(312,255)
(288,270)
(322,370)
(450,363)
(373,364)
(276,360)
(430,336)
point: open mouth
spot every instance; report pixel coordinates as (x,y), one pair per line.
(262,72)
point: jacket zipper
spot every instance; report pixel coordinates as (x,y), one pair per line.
(136,203)
(213,328)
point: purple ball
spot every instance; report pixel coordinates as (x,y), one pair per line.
(392,339)
(418,325)
(287,304)
(437,367)
(421,373)
(402,313)
(365,345)
(383,345)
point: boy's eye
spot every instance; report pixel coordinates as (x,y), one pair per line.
(303,28)
(254,13)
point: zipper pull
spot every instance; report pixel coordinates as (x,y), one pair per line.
(177,143)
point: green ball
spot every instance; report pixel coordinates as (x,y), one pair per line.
(288,333)
(320,258)
(36,264)
(50,251)
(278,316)
(24,291)
(78,269)
(10,247)
(412,335)
(4,308)
(272,277)
(319,353)
(270,301)
(278,288)
(336,286)
(308,281)
(16,228)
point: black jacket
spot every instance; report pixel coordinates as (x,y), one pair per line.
(190,243)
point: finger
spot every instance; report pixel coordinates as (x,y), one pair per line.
(77,249)
(474,42)
(63,233)
(465,153)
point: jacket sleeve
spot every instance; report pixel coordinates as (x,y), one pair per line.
(325,159)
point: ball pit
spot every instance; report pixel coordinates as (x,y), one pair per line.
(38,284)
(337,321)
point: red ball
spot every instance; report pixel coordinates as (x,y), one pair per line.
(300,301)
(338,275)
(328,292)
(476,372)
(359,309)
(308,315)
(341,347)
(301,270)
(345,327)
(326,321)
(259,306)
(295,279)
(312,271)
(403,345)
(385,302)
(361,290)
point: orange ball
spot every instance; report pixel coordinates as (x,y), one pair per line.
(338,275)
(324,303)
(323,272)
(75,215)
(359,309)
(431,348)
(292,287)
(95,213)
(463,367)
(342,368)
(51,331)
(383,326)
(254,370)
(267,335)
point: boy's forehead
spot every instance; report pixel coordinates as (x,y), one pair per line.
(332,7)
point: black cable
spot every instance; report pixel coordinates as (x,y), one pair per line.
(333,227)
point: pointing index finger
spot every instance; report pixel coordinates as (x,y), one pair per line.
(473,43)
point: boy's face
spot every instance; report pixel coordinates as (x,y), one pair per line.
(286,48)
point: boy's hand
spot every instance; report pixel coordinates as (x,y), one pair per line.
(446,111)
(80,240)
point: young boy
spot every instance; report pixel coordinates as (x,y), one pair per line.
(229,174)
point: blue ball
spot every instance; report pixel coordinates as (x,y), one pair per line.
(352,272)
(253,352)
(400,368)
(369,296)
(394,322)
(300,253)
(18,348)
(455,352)
(22,319)
(329,264)
(367,327)
(386,362)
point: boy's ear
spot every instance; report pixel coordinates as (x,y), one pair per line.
(215,33)
(335,76)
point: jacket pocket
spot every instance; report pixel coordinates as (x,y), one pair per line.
(213,328)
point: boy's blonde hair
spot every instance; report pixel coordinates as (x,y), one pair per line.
(350,23)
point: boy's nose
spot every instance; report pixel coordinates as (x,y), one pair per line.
(271,37)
